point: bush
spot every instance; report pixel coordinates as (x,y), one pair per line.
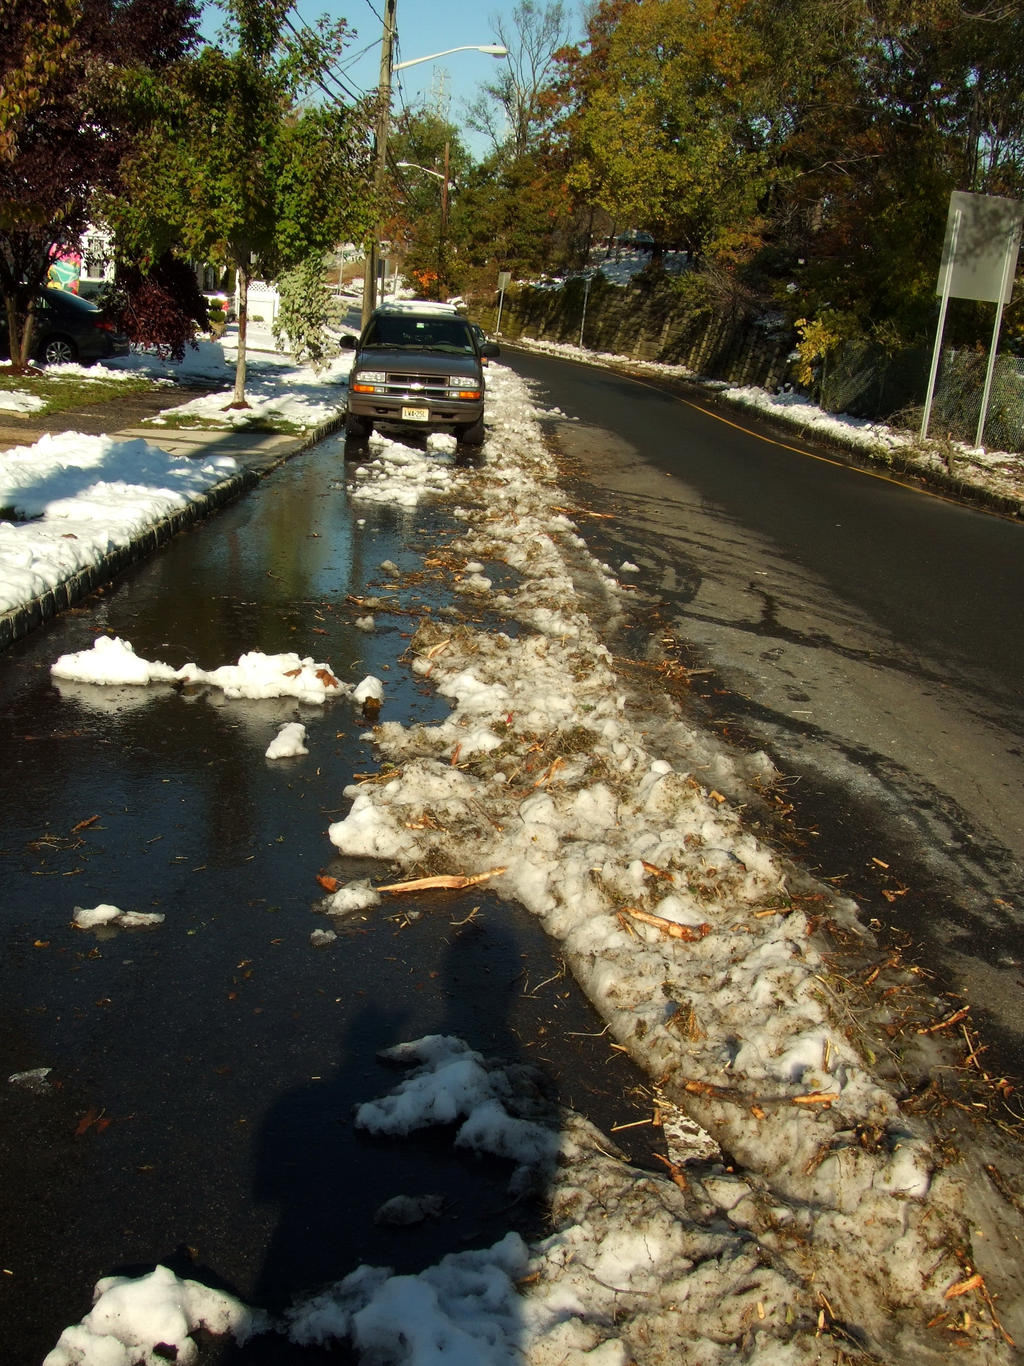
(161,310)
(301,322)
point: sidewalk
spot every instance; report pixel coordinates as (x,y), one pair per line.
(255,453)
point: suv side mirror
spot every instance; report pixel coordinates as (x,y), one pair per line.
(348,342)
(490,348)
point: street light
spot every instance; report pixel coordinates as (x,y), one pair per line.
(443,178)
(491,49)
(413,166)
(387,67)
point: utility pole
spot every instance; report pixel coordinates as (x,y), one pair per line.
(387,45)
(442,274)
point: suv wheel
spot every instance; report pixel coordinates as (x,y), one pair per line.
(357,432)
(59,351)
(358,427)
(473,435)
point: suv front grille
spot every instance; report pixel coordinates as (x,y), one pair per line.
(429,386)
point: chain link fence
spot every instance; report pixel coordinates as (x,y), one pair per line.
(958,393)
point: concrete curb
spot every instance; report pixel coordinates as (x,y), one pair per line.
(21,620)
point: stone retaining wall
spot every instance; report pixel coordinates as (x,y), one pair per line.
(648,322)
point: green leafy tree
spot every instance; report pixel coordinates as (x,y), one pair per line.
(302,318)
(428,165)
(667,130)
(245,171)
(512,214)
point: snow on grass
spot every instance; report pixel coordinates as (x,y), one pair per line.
(277,389)
(274,391)
(17,401)
(69,500)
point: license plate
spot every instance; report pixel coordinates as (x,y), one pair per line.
(415,414)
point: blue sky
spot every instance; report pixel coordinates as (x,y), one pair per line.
(424,27)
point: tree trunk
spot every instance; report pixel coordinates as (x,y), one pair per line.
(19,338)
(26,338)
(238,398)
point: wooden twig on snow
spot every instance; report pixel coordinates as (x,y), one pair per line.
(448,882)
(691,933)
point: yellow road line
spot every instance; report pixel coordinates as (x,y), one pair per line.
(811,455)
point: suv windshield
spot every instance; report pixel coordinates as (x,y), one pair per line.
(421,334)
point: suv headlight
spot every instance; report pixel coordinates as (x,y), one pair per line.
(365,381)
(461,386)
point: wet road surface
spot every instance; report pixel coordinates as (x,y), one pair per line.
(867,635)
(198,1110)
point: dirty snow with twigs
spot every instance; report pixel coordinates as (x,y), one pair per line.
(831,1222)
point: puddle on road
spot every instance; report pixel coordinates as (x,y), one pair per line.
(199,1107)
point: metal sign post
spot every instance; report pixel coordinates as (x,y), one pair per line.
(1009,270)
(979,260)
(586,296)
(504,277)
(946,279)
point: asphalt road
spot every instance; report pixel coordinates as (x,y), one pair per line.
(865,633)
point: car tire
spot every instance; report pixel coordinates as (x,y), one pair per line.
(358,428)
(357,434)
(473,435)
(58,350)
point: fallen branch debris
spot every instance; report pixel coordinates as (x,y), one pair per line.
(691,933)
(447,882)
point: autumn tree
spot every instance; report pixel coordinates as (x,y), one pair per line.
(428,163)
(66,124)
(801,151)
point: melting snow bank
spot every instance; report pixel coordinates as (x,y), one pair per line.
(601,802)
(113,661)
(149,1321)
(636,1264)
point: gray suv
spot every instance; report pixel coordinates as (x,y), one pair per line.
(418,368)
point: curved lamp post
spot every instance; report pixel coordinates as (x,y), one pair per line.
(387,68)
(443,178)
(491,49)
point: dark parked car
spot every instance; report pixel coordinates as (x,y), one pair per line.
(418,367)
(69,329)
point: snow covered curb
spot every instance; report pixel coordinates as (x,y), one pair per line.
(993,478)
(83,528)
(50,563)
